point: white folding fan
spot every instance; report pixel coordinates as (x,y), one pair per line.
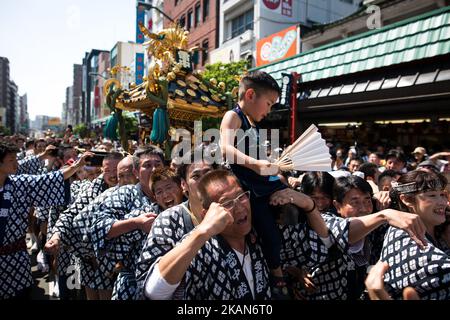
(308,153)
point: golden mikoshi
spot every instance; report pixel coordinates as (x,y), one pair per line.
(191,92)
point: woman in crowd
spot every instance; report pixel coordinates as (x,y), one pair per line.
(426,270)
(319,186)
(350,251)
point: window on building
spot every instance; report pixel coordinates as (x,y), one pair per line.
(205,51)
(189,20)
(197,17)
(242,23)
(196,56)
(205,9)
(182,21)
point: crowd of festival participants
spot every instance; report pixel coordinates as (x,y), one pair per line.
(140,226)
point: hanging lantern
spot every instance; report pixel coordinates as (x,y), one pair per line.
(160,126)
(110,129)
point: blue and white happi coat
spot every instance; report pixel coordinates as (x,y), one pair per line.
(126,202)
(65,259)
(69,225)
(341,275)
(214,274)
(427,270)
(18,195)
(31,165)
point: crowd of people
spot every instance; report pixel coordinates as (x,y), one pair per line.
(139,226)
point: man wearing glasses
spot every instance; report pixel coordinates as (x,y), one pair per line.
(221,258)
(172,225)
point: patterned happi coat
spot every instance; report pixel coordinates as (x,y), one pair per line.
(31,165)
(427,271)
(301,246)
(64,258)
(18,195)
(341,276)
(214,274)
(171,225)
(126,202)
(72,222)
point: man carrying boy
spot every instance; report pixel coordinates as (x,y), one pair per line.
(258,92)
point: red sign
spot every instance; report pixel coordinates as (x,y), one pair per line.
(285,9)
(278,46)
(96,97)
(272,4)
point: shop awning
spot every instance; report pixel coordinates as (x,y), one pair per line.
(417,38)
(412,89)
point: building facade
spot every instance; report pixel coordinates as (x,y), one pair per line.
(74,116)
(12,107)
(99,109)
(388,85)
(24,119)
(201,19)
(40,122)
(4,89)
(124,54)
(91,63)
(359,22)
(151,15)
(243,22)
(68,108)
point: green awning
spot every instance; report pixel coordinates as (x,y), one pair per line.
(420,37)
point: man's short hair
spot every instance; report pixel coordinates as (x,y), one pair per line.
(6,148)
(317,180)
(396,154)
(188,159)
(212,178)
(163,174)
(369,169)
(359,159)
(114,156)
(387,174)
(30,143)
(259,81)
(146,151)
(345,184)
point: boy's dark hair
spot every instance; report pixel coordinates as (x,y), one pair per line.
(147,150)
(318,180)
(387,173)
(343,185)
(396,154)
(259,81)
(163,174)
(369,169)
(6,148)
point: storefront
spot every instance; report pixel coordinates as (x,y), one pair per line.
(392,85)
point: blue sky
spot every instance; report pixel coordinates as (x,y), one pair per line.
(44,38)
